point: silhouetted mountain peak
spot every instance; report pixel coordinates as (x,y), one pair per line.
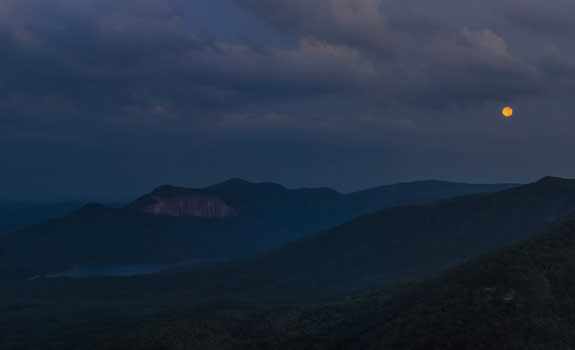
(553,180)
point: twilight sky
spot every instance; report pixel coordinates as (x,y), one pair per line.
(106,99)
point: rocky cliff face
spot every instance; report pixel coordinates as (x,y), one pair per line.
(174,201)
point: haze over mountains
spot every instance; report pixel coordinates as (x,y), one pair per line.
(17,215)
(175,225)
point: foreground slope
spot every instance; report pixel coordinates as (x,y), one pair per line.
(172,224)
(518,298)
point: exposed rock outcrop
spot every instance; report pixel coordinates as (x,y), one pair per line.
(174,201)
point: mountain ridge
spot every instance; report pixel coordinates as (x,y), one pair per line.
(392,246)
(266,216)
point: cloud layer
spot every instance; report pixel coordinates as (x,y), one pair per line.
(368,73)
(140,54)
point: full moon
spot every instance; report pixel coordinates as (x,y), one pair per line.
(507,112)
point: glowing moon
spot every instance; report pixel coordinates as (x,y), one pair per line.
(507,112)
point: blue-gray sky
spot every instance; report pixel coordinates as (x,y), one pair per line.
(105,99)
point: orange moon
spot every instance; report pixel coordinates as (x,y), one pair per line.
(507,112)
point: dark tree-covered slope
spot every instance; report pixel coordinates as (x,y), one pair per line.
(521,297)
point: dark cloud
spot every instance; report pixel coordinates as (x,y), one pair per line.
(105,56)
(121,57)
(418,58)
(360,22)
(541,19)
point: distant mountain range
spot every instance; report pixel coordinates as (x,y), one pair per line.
(406,243)
(391,246)
(227,220)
